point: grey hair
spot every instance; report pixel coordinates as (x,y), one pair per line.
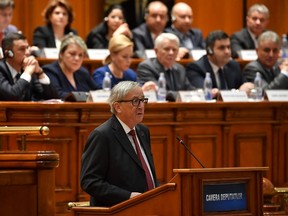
(120,91)
(169,36)
(269,35)
(261,8)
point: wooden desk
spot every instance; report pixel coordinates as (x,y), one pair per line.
(220,135)
(27,183)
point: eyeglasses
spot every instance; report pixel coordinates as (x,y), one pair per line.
(135,101)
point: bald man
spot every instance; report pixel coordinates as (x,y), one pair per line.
(156,17)
(190,38)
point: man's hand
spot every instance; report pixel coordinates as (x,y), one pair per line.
(31,65)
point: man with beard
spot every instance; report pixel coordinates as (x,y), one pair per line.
(225,72)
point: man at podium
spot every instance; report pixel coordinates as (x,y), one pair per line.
(117,162)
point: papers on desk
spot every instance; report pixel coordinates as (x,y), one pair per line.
(197,54)
(150,53)
(98,96)
(95,54)
(98,54)
(248,55)
(276,95)
(233,96)
(51,53)
(190,96)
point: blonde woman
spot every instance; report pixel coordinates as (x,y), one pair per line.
(117,63)
(67,74)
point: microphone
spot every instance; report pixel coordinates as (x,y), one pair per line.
(188,149)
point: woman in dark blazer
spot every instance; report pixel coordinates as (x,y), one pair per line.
(58,16)
(113,24)
(66,74)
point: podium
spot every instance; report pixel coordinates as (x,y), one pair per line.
(27,183)
(195,192)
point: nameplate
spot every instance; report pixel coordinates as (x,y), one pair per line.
(151,95)
(277,95)
(190,96)
(51,53)
(98,54)
(197,54)
(150,53)
(248,55)
(224,197)
(233,96)
(99,96)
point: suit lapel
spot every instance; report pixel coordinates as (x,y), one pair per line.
(123,140)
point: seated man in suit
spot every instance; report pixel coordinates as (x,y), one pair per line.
(256,21)
(190,38)
(117,162)
(274,76)
(21,77)
(156,17)
(225,73)
(166,49)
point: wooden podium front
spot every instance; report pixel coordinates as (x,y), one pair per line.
(195,192)
(27,183)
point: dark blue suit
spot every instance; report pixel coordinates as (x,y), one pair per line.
(43,36)
(241,40)
(196,72)
(21,90)
(271,80)
(84,81)
(142,39)
(196,36)
(111,169)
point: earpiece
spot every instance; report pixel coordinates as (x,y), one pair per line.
(8,54)
(209,51)
(173,18)
(106,19)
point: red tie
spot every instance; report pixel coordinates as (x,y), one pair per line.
(144,165)
(1,37)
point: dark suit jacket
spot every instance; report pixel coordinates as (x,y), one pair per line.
(22,90)
(111,169)
(197,37)
(149,70)
(196,72)
(241,40)
(83,79)
(43,36)
(142,39)
(96,39)
(275,80)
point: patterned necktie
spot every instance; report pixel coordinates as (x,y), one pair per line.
(141,158)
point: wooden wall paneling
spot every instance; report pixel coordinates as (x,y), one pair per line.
(206,144)
(210,15)
(278,14)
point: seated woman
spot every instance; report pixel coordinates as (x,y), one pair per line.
(67,74)
(113,24)
(58,16)
(117,63)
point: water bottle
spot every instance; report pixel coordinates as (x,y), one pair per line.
(258,87)
(284,46)
(106,84)
(207,87)
(161,93)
